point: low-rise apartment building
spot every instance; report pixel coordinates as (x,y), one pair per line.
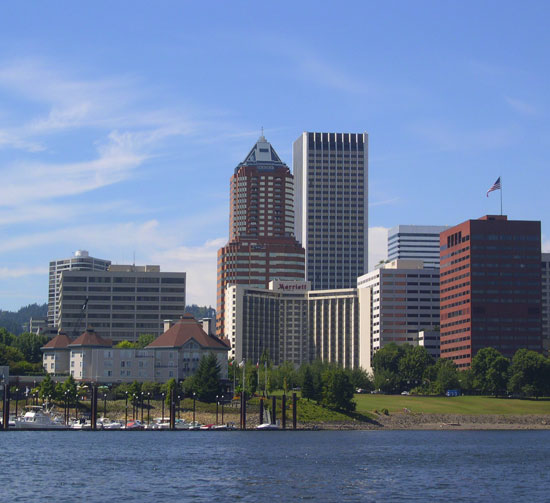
(175,354)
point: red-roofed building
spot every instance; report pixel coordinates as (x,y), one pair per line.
(174,354)
(56,354)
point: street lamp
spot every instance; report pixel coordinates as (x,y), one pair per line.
(66,408)
(194,398)
(163,407)
(104,405)
(126,412)
(179,403)
(217,403)
(16,400)
(148,408)
(142,407)
(222,407)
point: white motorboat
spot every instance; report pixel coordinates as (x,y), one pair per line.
(106,424)
(38,418)
(268,426)
(160,424)
(224,427)
(81,424)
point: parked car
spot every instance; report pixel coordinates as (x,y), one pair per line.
(405,393)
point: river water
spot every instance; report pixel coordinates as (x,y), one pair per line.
(385,466)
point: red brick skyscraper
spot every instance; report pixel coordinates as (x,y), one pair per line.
(490,288)
(262,246)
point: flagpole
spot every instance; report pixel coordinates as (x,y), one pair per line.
(501,196)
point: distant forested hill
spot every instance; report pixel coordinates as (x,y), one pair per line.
(13,321)
(200,311)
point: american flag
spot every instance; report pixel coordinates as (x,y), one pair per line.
(495,186)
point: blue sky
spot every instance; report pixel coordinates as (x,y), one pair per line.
(121,122)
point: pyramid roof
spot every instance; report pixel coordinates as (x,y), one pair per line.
(90,338)
(60,341)
(184,330)
(262,153)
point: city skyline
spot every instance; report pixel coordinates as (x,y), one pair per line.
(122,141)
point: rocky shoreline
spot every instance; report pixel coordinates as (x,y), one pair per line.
(420,421)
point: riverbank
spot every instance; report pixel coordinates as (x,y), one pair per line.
(421,421)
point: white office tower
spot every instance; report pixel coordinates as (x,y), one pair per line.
(80,262)
(545,270)
(416,242)
(331,206)
(398,300)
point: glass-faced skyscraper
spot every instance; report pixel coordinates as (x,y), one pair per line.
(331,206)
(417,242)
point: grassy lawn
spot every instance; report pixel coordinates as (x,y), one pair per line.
(451,405)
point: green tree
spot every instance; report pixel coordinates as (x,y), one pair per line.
(127,345)
(446,376)
(167,388)
(413,364)
(144,340)
(46,388)
(307,385)
(490,371)
(529,374)
(9,355)
(6,338)
(30,344)
(338,390)
(466,381)
(360,379)
(251,379)
(69,390)
(152,388)
(385,364)
(207,378)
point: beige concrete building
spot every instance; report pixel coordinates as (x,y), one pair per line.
(274,319)
(334,327)
(294,324)
(174,354)
(398,300)
(121,303)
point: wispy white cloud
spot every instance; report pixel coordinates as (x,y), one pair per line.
(116,159)
(18,272)
(453,139)
(521,106)
(200,264)
(384,202)
(316,69)
(378,245)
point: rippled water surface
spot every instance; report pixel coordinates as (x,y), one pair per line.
(113,466)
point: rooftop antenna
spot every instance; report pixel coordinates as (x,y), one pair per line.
(262,131)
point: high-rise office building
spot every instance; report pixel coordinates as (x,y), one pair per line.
(121,303)
(545,270)
(261,246)
(331,201)
(398,300)
(416,242)
(490,287)
(80,262)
